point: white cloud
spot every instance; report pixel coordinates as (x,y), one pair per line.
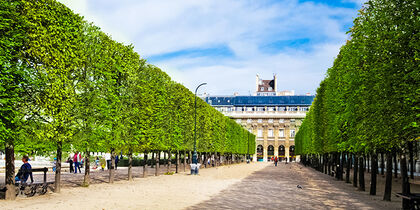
(159,27)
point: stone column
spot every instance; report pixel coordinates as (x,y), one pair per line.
(276,140)
(265,132)
(287,143)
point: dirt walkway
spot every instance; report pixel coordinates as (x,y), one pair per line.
(163,192)
(242,186)
(276,188)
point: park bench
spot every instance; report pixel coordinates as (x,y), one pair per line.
(30,189)
(413,198)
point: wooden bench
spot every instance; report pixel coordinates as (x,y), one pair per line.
(31,188)
(413,198)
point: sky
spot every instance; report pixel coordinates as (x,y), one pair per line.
(226,43)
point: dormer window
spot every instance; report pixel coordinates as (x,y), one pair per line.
(262,88)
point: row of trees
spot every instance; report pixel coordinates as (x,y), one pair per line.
(369,102)
(66,85)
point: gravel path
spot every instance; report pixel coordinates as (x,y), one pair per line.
(276,188)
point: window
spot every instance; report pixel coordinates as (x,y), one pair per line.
(282,109)
(270,120)
(281,133)
(292,120)
(292,133)
(249,121)
(270,88)
(270,133)
(260,109)
(262,88)
(259,120)
(249,109)
(281,121)
(303,109)
(239,109)
(259,134)
(270,109)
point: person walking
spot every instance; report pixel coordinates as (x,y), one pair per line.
(116,161)
(275,161)
(108,160)
(70,161)
(76,159)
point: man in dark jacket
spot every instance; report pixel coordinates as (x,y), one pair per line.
(25,171)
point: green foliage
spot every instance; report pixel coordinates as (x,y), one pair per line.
(371,96)
(64,81)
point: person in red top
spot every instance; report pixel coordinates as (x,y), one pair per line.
(76,160)
(275,161)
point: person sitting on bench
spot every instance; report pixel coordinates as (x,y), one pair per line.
(25,171)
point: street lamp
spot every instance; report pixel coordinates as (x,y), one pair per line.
(194,157)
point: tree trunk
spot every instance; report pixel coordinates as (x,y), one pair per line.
(348,159)
(185,160)
(361,173)
(405,180)
(342,166)
(368,165)
(373,174)
(145,165)
(130,165)
(157,163)
(388,181)
(325,160)
(86,179)
(410,149)
(329,164)
(337,165)
(112,168)
(57,184)
(176,161)
(395,165)
(189,157)
(152,161)
(215,159)
(10,170)
(164,159)
(355,169)
(169,161)
(382,163)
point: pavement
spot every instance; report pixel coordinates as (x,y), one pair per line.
(292,186)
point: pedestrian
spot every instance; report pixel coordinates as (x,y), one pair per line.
(54,164)
(275,161)
(96,162)
(76,159)
(116,161)
(108,160)
(25,171)
(70,161)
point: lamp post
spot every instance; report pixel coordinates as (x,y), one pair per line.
(194,157)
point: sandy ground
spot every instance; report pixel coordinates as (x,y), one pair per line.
(162,192)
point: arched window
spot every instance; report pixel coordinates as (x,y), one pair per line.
(270,152)
(260,152)
(292,153)
(282,151)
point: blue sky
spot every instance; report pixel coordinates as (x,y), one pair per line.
(226,43)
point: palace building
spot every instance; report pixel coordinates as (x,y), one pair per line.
(273,116)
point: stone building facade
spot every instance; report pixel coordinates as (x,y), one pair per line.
(273,117)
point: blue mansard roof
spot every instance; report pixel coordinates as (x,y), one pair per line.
(259,100)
